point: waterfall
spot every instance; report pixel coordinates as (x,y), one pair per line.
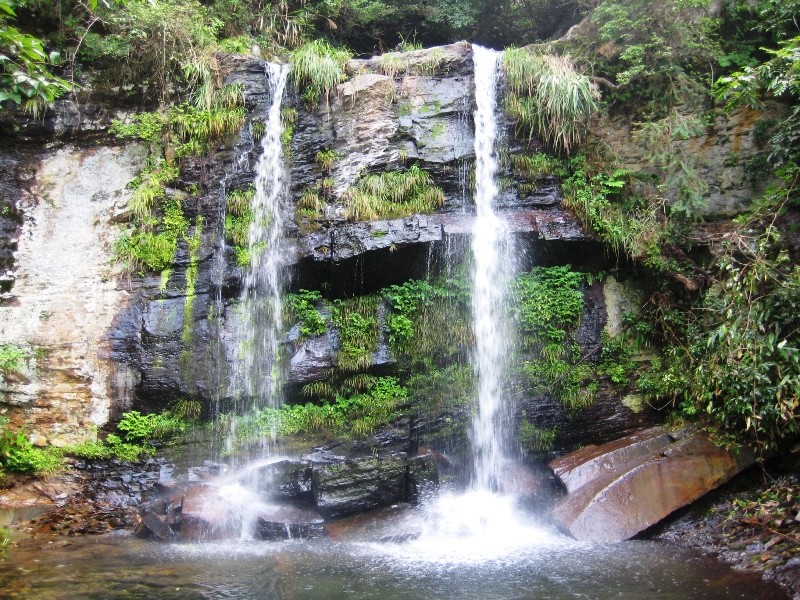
(262,319)
(493,267)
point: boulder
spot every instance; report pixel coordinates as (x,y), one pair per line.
(284,481)
(205,515)
(360,485)
(629,493)
(288,522)
(152,527)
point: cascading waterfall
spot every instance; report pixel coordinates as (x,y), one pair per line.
(493,268)
(261,307)
(484,523)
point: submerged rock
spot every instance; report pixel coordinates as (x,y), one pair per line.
(626,486)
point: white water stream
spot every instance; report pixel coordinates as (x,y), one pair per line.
(262,319)
(493,258)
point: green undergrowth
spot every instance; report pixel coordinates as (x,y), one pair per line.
(392,194)
(134,434)
(357,408)
(535,439)
(173,134)
(623,214)
(302,306)
(356,322)
(427,323)
(548,307)
(13,359)
(19,455)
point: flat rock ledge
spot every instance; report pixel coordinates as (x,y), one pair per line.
(619,489)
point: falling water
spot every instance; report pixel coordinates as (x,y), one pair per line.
(493,266)
(261,306)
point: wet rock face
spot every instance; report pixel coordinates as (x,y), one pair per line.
(620,489)
(290,498)
(360,485)
(65,292)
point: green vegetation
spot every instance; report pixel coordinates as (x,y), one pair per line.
(13,358)
(533,166)
(628,223)
(548,98)
(317,68)
(356,412)
(534,439)
(357,325)
(18,455)
(25,77)
(302,306)
(133,435)
(427,323)
(325,160)
(549,304)
(238,219)
(392,194)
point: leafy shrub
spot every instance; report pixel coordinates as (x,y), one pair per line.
(18,455)
(302,306)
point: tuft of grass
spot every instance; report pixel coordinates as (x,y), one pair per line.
(549,98)
(317,68)
(393,194)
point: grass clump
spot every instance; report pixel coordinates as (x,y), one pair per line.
(357,325)
(393,194)
(548,98)
(317,68)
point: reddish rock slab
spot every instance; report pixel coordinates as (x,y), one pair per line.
(592,462)
(622,503)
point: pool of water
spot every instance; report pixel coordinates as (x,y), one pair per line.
(453,565)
